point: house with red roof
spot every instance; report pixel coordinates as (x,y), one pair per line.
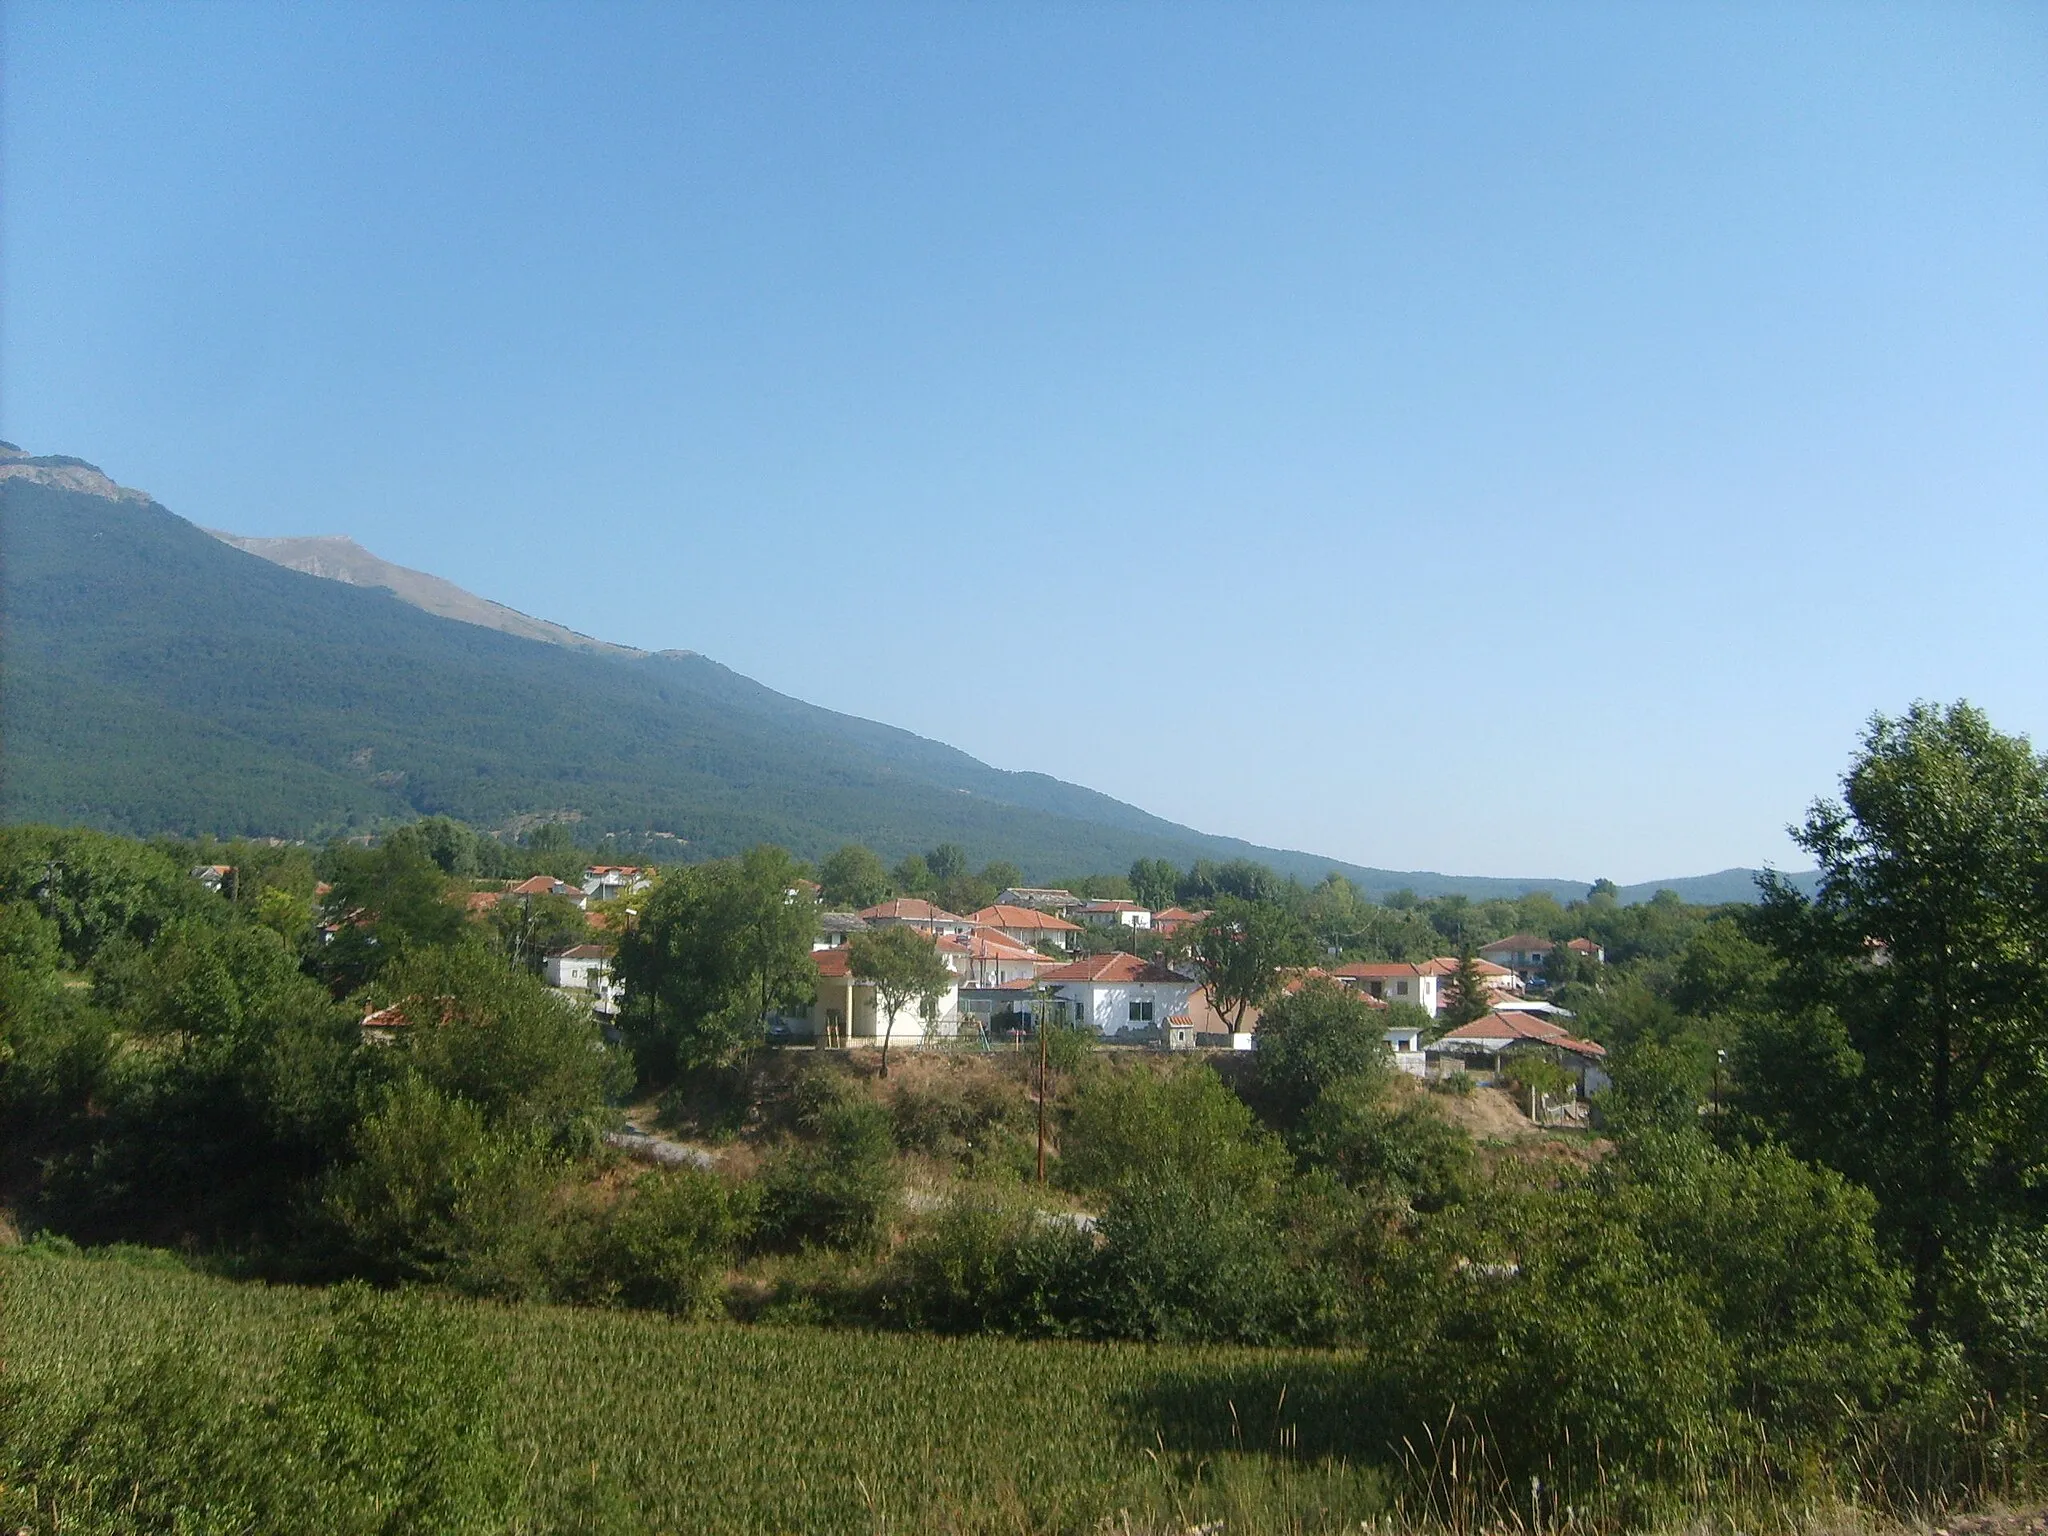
(847,1014)
(916,912)
(606,882)
(1173,919)
(1121,997)
(1486,1045)
(1026,925)
(1114,914)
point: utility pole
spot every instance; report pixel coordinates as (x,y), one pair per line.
(1720,1060)
(1038,1028)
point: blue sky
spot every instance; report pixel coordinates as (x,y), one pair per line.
(1513,439)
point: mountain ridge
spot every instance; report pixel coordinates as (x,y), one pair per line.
(340,692)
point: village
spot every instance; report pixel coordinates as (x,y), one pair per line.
(1020,964)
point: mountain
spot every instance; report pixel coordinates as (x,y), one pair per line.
(159,678)
(343,559)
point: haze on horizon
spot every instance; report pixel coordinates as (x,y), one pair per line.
(1482,438)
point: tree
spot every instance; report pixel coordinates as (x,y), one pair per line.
(530,928)
(947,862)
(384,902)
(904,967)
(1471,998)
(1156,881)
(1918,970)
(853,878)
(1239,949)
(1312,1038)
(716,947)
(913,876)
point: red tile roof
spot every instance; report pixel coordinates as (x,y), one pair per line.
(1523,941)
(911,909)
(538,885)
(1112,968)
(1377,970)
(1022,917)
(1522,1026)
(832,962)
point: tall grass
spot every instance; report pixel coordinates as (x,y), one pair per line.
(619,1422)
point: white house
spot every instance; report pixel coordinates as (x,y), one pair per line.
(603,882)
(585,970)
(1112,914)
(1026,925)
(1526,954)
(847,1013)
(213,876)
(986,958)
(915,912)
(1121,996)
(1405,1041)
(1395,981)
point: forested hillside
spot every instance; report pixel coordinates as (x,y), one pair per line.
(160,680)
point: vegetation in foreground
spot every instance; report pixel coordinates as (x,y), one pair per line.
(1805,1266)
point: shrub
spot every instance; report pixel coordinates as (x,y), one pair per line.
(666,1245)
(1317,1036)
(981,1121)
(1406,1152)
(1126,1127)
(984,1266)
(385,1421)
(834,1187)
(1187,1263)
(434,1194)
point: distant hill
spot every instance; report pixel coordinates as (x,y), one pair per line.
(158,678)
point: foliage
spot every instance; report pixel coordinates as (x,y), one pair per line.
(482,1031)
(1132,1127)
(716,947)
(835,1186)
(1917,973)
(1468,997)
(1239,951)
(853,878)
(433,1193)
(385,1420)
(1401,1153)
(666,1245)
(904,969)
(383,902)
(1316,1036)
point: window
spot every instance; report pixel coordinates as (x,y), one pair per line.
(1141,1011)
(1402,988)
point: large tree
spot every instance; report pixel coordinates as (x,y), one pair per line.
(1239,951)
(716,947)
(1906,1044)
(904,967)
(1470,997)
(853,878)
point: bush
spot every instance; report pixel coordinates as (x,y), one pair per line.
(980,1122)
(1536,1315)
(1315,1037)
(835,1186)
(666,1245)
(1404,1153)
(386,1421)
(1187,1263)
(435,1194)
(984,1266)
(1125,1127)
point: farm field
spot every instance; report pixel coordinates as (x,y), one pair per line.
(723,1428)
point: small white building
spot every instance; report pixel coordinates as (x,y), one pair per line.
(1405,1041)
(1114,914)
(1526,954)
(987,959)
(1026,925)
(586,971)
(605,882)
(1395,981)
(835,928)
(847,1014)
(1121,996)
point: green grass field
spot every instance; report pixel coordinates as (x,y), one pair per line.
(717,1427)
